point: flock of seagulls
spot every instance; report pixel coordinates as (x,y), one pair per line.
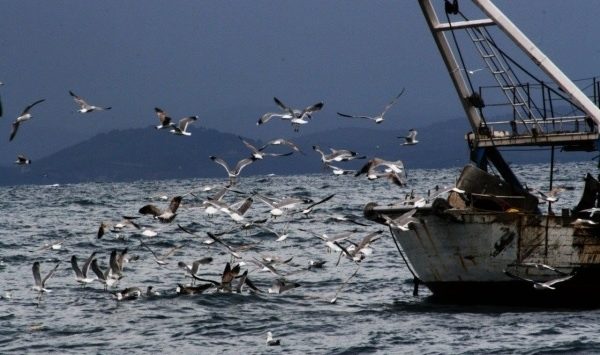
(239,214)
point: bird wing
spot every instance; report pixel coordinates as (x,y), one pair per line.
(163,117)
(86,265)
(351,116)
(80,101)
(114,263)
(371,237)
(36,274)
(30,106)
(96,270)
(13,132)
(150,209)
(221,162)
(184,122)
(560,279)
(242,164)
(283,106)
(281,141)
(267,116)
(392,103)
(49,275)
(196,264)
(174,205)
(509,274)
(322,201)
(76,267)
(313,108)
(151,251)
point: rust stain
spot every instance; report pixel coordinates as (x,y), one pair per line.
(507,237)
(462,262)
(471,258)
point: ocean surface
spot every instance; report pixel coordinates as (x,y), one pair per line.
(375,312)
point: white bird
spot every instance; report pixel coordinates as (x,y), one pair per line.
(339,171)
(22,160)
(110,276)
(84,107)
(116,227)
(403,221)
(393,170)
(130,293)
(40,284)
(235,172)
(548,285)
(236,210)
(258,152)
(25,115)
(161,260)
(181,128)
(592,211)
(378,118)
(281,141)
(295,116)
(81,275)
(281,285)
(411,139)
(192,270)
(337,155)
(167,215)
(277,207)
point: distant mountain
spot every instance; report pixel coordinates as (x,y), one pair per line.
(143,154)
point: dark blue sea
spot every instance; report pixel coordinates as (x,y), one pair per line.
(375,312)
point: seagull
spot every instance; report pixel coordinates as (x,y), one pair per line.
(258,152)
(394,170)
(281,285)
(236,210)
(181,128)
(379,118)
(164,118)
(40,284)
(151,293)
(281,141)
(192,290)
(411,139)
(403,221)
(277,206)
(310,208)
(108,277)
(295,116)
(271,341)
(167,215)
(229,248)
(548,285)
(363,249)
(84,107)
(332,241)
(592,211)
(130,293)
(160,260)
(22,160)
(81,275)
(339,171)
(234,173)
(116,227)
(316,264)
(25,115)
(550,196)
(193,269)
(337,155)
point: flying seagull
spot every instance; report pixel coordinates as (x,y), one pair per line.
(22,160)
(393,170)
(235,172)
(258,152)
(181,128)
(84,107)
(81,275)
(337,155)
(160,260)
(164,118)
(25,115)
(167,215)
(548,285)
(295,116)
(411,139)
(378,118)
(40,284)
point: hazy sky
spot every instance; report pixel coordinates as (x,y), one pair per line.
(225,60)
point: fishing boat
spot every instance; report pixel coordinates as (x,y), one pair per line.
(490,239)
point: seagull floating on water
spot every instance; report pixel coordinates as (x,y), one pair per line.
(271,341)
(84,107)
(378,118)
(25,115)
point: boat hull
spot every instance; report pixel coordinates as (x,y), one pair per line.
(461,255)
